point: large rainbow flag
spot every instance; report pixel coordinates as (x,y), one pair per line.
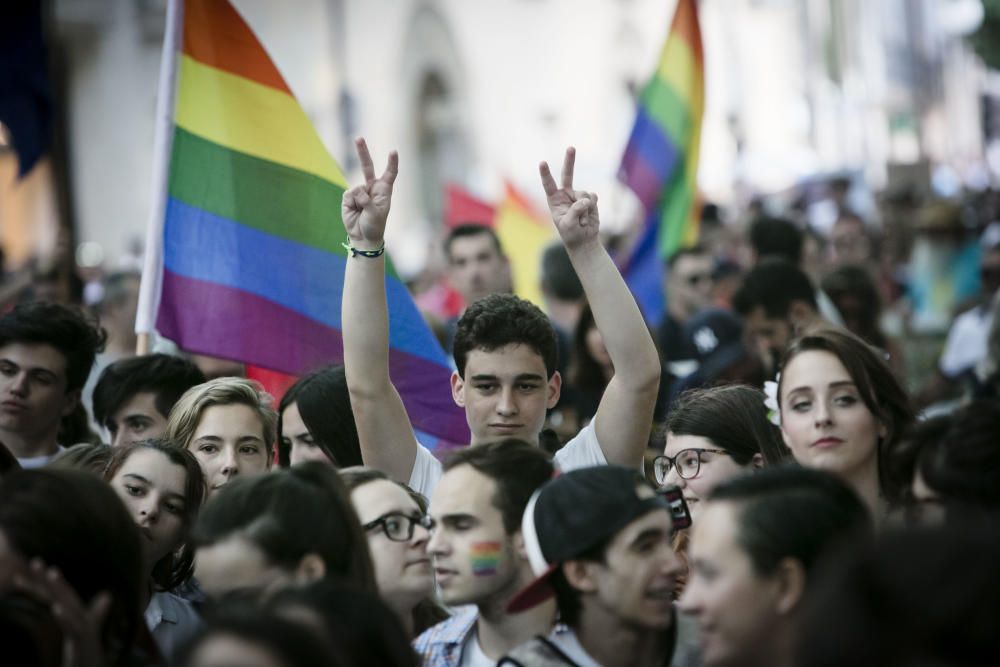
(660,164)
(244,255)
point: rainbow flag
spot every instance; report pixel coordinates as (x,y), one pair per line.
(660,164)
(523,233)
(244,256)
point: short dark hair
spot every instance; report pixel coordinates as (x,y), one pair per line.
(878,388)
(558,275)
(176,567)
(517,467)
(77,337)
(325,407)
(773,284)
(290,641)
(504,319)
(377,637)
(73,521)
(792,512)
(856,281)
(687,251)
(164,375)
(465,230)
(288,514)
(921,597)
(734,418)
(776,237)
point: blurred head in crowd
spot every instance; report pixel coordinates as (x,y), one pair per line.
(926,597)
(714,435)
(46,352)
(775,301)
(477,547)
(850,242)
(72,521)
(754,552)
(776,238)
(254,638)
(506,358)
(843,410)
(133,397)
(397,526)
(162,488)
(315,421)
(688,282)
(83,456)
(477,265)
(952,463)
(715,340)
(856,297)
(229,426)
(376,637)
(291,527)
(116,310)
(561,287)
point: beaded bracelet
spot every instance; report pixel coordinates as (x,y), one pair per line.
(371,254)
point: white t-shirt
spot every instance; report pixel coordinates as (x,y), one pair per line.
(583,451)
(966,343)
(472,653)
(569,644)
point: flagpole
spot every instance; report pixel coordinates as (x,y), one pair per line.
(152,269)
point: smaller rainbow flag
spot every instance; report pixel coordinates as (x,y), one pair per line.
(660,164)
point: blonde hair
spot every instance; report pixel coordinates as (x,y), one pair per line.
(186,413)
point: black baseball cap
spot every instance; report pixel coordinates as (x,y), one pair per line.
(575,512)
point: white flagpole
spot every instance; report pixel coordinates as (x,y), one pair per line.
(152,269)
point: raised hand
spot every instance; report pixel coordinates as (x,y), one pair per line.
(573,211)
(365,207)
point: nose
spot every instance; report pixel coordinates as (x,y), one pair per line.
(229,465)
(421,536)
(149,512)
(506,405)
(823,415)
(673,477)
(19,386)
(436,545)
(689,601)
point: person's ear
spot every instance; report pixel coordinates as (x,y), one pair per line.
(790,580)
(757,461)
(554,389)
(72,399)
(311,568)
(457,389)
(580,575)
(519,548)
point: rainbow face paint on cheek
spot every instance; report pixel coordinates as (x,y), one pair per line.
(485,558)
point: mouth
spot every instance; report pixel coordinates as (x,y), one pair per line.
(146,532)
(13,405)
(661,594)
(826,443)
(442,576)
(421,562)
(506,428)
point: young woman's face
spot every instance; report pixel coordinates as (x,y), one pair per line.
(229,441)
(713,467)
(823,419)
(152,488)
(296,437)
(402,569)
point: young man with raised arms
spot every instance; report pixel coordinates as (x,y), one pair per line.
(504,347)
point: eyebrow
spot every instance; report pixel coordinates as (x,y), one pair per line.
(832,385)
(457,516)
(136,477)
(517,378)
(649,533)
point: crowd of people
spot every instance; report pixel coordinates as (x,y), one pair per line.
(747,482)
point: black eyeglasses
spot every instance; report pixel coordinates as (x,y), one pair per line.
(687,462)
(399,527)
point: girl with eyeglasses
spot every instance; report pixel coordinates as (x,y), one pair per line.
(396,523)
(713,435)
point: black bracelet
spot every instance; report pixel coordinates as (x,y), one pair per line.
(371,254)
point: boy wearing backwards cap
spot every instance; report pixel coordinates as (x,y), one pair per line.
(599,539)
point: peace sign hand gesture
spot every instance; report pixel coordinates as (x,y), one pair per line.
(365,207)
(573,211)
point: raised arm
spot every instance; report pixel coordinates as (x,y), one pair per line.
(387,440)
(625,412)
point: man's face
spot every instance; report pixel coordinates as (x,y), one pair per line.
(476,268)
(849,243)
(33,395)
(505,393)
(734,606)
(689,283)
(635,583)
(475,560)
(137,419)
(769,336)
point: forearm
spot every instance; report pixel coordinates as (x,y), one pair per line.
(618,318)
